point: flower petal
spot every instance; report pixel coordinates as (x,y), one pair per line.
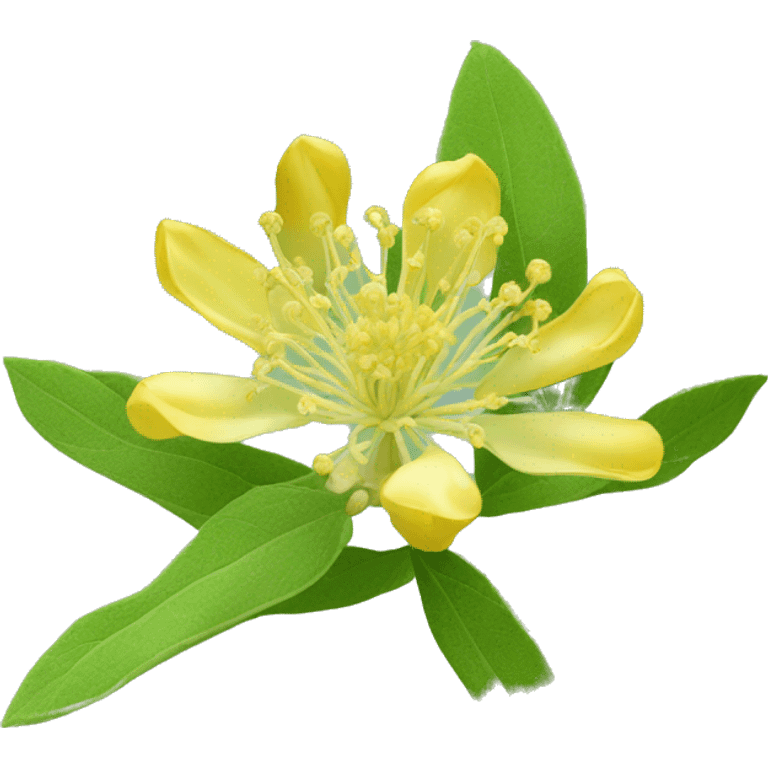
(460,189)
(209,407)
(430,499)
(600,326)
(312,177)
(212,277)
(574,443)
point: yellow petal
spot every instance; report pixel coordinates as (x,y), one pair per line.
(574,443)
(460,189)
(600,326)
(212,277)
(210,407)
(312,177)
(430,500)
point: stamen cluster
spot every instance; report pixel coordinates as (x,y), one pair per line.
(389,365)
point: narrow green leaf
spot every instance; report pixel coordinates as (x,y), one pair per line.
(475,628)
(266,546)
(498,115)
(196,475)
(691,423)
(515,491)
(82,414)
(358,575)
(394,262)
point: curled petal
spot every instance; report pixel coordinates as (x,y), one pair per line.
(217,409)
(312,177)
(600,326)
(459,189)
(430,499)
(212,277)
(574,443)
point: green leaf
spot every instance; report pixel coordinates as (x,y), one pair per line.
(394,262)
(266,546)
(358,575)
(514,491)
(474,627)
(82,414)
(691,423)
(192,478)
(498,115)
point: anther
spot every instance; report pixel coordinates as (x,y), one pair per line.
(416,261)
(272,222)
(319,223)
(510,293)
(432,218)
(323,464)
(344,235)
(475,435)
(538,271)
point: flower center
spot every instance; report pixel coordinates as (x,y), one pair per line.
(392,366)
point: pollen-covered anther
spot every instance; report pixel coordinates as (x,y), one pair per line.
(387,235)
(496,228)
(444,285)
(319,223)
(344,235)
(493,402)
(376,216)
(371,296)
(475,435)
(416,261)
(538,271)
(323,464)
(542,310)
(467,230)
(431,218)
(271,222)
(510,293)
(461,238)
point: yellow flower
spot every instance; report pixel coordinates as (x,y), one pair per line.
(431,357)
